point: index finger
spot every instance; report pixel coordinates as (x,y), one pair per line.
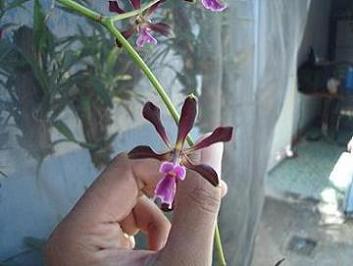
(114,193)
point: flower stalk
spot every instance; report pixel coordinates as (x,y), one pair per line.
(108,23)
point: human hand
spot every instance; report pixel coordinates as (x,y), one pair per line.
(350,146)
(99,229)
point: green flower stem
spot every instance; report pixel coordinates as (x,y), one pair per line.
(218,247)
(133,13)
(81,9)
(109,24)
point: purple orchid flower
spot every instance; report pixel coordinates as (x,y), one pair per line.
(177,158)
(142,24)
(214,5)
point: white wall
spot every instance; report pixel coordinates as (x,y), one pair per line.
(299,110)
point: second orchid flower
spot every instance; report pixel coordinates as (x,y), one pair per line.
(143,25)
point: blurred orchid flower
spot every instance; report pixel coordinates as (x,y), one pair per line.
(213,5)
(177,158)
(142,23)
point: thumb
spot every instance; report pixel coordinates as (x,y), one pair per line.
(197,204)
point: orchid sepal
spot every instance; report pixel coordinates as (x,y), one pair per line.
(205,171)
(146,152)
(187,120)
(153,114)
(136,3)
(114,7)
(220,134)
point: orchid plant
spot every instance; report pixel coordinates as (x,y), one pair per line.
(177,158)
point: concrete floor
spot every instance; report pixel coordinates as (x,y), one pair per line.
(301,221)
(308,173)
(305,233)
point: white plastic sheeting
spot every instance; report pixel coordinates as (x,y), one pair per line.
(259,45)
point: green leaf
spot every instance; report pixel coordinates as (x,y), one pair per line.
(38,24)
(125,77)
(280,262)
(43,38)
(128,109)
(112,137)
(64,130)
(3,174)
(103,94)
(112,59)
(87,145)
(34,243)
(58,108)
(85,105)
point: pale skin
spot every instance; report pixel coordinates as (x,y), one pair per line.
(99,230)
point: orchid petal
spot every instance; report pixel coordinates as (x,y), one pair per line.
(180,172)
(220,134)
(145,37)
(166,167)
(136,3)
(127,33)
(161,28)
(114,7)
(214,5)
(153,114)
(144,152)
(205,171)
(187,119)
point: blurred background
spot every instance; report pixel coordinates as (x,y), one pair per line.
(279,71)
